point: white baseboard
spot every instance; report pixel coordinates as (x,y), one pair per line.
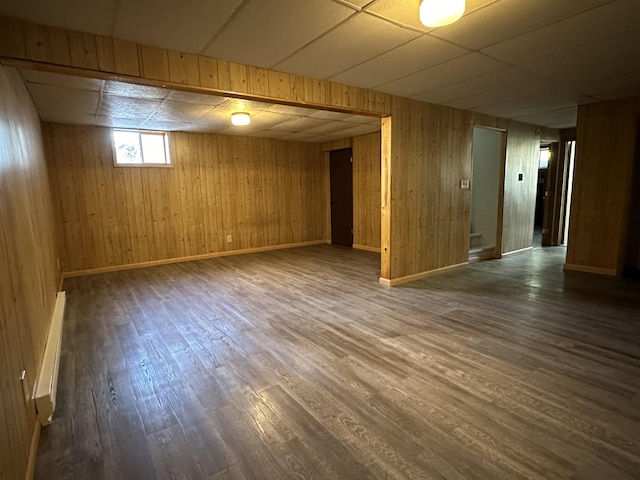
(47,384)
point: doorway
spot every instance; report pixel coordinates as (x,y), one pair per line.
(541,193)
(341,186)
(631,266)
(487,186)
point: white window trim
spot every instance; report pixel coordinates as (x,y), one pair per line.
(167,153)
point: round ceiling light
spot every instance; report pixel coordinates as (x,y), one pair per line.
(240,118)
(438,13)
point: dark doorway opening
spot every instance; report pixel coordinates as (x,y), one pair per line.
(341,178)
(631,267)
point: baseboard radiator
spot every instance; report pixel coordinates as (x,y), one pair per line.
(45,396)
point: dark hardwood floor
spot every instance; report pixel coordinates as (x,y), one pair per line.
(297,364)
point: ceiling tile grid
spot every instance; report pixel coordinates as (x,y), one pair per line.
(340,49)
(265,33)
(582,50)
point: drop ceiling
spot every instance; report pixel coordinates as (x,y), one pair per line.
(531,60)
(89,101)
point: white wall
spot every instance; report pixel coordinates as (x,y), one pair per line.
(485,183)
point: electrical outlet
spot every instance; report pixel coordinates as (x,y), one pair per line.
(229,239)
(465,184)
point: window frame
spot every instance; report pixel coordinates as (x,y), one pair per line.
(143,164)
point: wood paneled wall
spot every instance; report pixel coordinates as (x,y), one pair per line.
(427,148)
(29,277)
(429,213)
(262,192)
(605,145)
(366,191)
(523,154)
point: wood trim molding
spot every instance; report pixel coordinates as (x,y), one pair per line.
(587,269)
(366,248)
(417,276)
(167,261)
(521,250)
(33,451)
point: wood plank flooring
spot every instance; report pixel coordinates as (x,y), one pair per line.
(297,364)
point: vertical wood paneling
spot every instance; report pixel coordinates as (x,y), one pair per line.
(106,56)
(263,192)
(523,146)
(183,68)
(429,213)
(427,151)
(155,62)
(126,57)
(47,44)
(605,144)
(29,276)
(83,50)
(11,38)
(366,190)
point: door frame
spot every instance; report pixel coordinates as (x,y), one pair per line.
(497,250)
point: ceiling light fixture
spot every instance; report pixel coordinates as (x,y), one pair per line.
(240,118)
(438,13)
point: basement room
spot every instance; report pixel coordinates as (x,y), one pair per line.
(328,239)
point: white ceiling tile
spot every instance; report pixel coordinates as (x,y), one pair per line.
(361,129)
(66,117)
(245,130)
(563,118)
(187,25)
(527,88)
(264,33)
(299,124)
(289,110)
(119,122)
(59,80)
(495,81)
(330,127)
(123,89)
(272,133)
(190,97)
(203,128)
(163,125)
(418,54)
(240,105)
(296,137)
(125,107)
(591,61)
(355,3)
(82,15)
(180,112)
(508,18)
(601,22)
(329,115)
(456,70)
(266,120)
(340,49)
(362,119)
(625,84)
(546,101)
(63,99)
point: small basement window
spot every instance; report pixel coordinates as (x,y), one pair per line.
(141,148)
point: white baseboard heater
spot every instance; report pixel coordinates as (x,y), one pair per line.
(45,396)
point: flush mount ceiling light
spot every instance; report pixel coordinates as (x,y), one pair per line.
(438,13)
(240,118)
